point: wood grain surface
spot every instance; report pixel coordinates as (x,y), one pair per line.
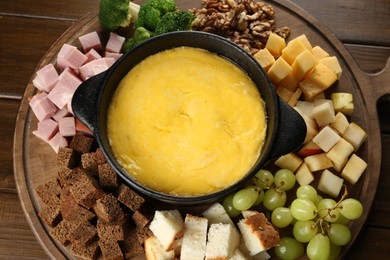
(29,28)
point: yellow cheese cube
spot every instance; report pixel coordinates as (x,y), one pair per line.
(318,80)
(333,64)
(303,39)
(279,70)
(290,82)
(265,58)
(275,44)
(303,63)
(295,97)
(319,53)
(284,93)
(292,50)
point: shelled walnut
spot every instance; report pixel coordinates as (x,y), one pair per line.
(248,23)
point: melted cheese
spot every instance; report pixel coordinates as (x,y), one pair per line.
(186,122)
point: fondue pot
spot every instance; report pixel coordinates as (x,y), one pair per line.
(286,130)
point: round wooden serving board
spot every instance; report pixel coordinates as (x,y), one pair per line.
(34,161)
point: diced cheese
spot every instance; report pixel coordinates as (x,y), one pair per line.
(319,53)
(265,58)
(303,63)
(292,50)
(279,70)
(290,81)
(332,63)
(275,44)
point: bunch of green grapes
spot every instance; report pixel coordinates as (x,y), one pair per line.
(319,225)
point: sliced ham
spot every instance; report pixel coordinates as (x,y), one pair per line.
(61,113)
(46,129)
(83,129)
(113,55)
(90,41)
(46,78)
(92,55)
(115,43)
(58,141)
(70,56)
(42,107)
(95,67)
(67,126)
(71,78)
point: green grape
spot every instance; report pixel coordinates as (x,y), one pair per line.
(307,192)
(318,199)
(264,179)
(274,199)
(304,231)
(284,179)
(245,198)
(303,209)
(228,206)
(334,251)
(343,220)
(327,210)
(351,208)
(339,234)
(318,247)
(259,199)
(289,249)
(281,217)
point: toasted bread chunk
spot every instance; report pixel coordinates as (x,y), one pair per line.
(155,251)
(194,238)
(217,214)
(222,240)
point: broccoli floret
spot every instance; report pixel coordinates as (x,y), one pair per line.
(148,17)
(175,21)
(164,6)
(140,34)
(117,13)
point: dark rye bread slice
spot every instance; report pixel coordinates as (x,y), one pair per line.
(62,231)
(70,209)
(99,156)
(108,179)
(143,216)
(108,208)
(89,252)
(86,192)
(50,213)
(81,143)
(132,246)
(89,163)
(110,249)
(49,190)
(112,231)
(130,198)
(83,233)
(68,157)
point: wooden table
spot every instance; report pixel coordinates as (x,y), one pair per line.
(30,27)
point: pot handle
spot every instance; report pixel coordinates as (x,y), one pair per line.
(85,98)
(291,133)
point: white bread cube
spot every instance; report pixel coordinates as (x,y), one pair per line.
(289,161)
(319,53)
(279,70)
(275,44)
(354,169)
(324,114)
(330,183)
(265,58)
(258,233)
(222,240)
(339,154)
(332,63)
(238,255)
(303,175)
(355,135)
(340,123)
(194,238)
(216,213)
(318,162)
(326,138)
(167,226)
(155,251)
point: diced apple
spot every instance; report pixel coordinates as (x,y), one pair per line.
(292,50)
(310,148)
(340,123)
(332,63)
(320,79)
(326,138)
(318,162)
(295,97)
(306,107)
(339,154)
(319,53)
(289,161)
(290,82)
(265,58)
(279,70)
(324,114)
(311,125)
(320,95)
(303,175)
(354,169)
(275,44)
(284,93)
(355,135)
(330,183)
(303,63)
(343,102)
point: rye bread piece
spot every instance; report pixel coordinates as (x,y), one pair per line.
(113,231)
(62,231)
(130,198)
(71,210)
(77,175)
(81,143)
(86,192)
(90,251)
(50,213)
(142,234)
(63,174)
(142,217)
(108,179)
(49,190)
(67,157)
(131,246)
(99,156)
(110,249)
(83,233)
(108,208)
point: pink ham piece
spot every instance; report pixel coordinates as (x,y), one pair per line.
(90,41)
(115,43)
(67,126)
(42,107)
(58,141)
(92,55)
(83,129)
(46,129)
(95,67)
(70,56)
(113,55)
(46,78)
(61,113)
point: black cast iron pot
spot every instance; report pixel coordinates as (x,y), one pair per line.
(286,128)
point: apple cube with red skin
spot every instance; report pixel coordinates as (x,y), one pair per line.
(303,175)
(289,161)
(330,183)
(354,169)
(318,162)
(310,148)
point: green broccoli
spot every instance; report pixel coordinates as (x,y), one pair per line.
(175,21)
(117,13)
(140,34)
(152,11)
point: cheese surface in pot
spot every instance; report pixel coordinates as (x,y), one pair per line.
(186,122)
